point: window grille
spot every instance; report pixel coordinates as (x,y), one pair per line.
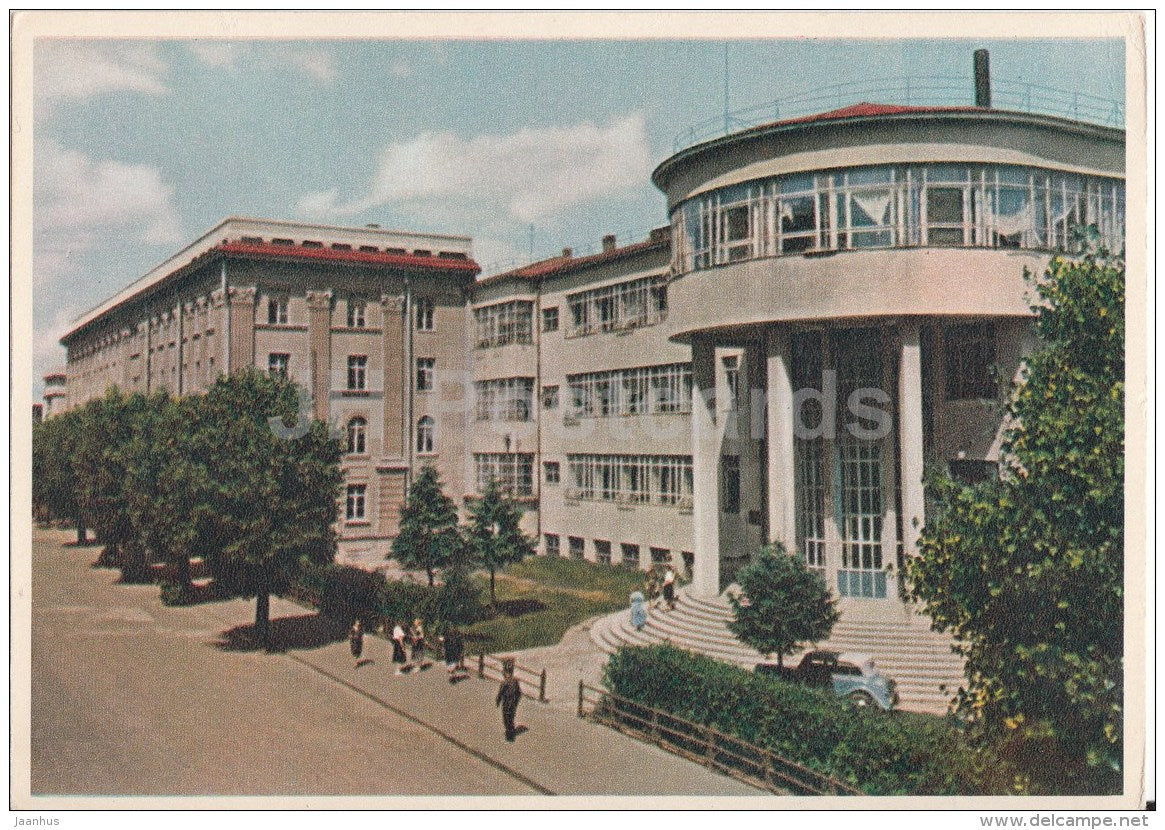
(504,323)
(645,390)
(514,471)
(631,479)
(504,399)
(626,305)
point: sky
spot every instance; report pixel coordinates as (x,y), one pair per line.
(140,146)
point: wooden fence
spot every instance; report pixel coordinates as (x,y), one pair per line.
(705,745)
(491,666)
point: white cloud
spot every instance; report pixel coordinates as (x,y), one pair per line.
(217,53)
(47,351)
(401,68)
(314,63)
(83,69)
(527,176)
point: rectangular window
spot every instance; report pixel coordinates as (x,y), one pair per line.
(650,389)
(630,554)
(504,399)
(550,319)
(425,373)
(632,479)
(577,547)
(730,484)
(504,323)
(423,314)
(944,215)
(732,376)
(603,551)
(552,548)
(277,364)
(660,556)
(550,397)
(514,471)
(357,372)
(970,361)
(625,305)
(356,313)
(277,311)
(551,471)
(354,510)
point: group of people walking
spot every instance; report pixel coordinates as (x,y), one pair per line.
(408,653)
(663,587)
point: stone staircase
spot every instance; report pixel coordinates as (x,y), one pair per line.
(919,660)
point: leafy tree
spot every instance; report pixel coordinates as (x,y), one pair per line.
(1026,571)
(272,500)
(783,604)
(53,483)
(428,538)
(494,534)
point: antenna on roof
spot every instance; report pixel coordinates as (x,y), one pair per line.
(982,78)
(726,127)
(531,257)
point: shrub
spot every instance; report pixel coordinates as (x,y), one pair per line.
(345,593)
(880,753)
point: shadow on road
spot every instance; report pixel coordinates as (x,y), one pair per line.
(306,631)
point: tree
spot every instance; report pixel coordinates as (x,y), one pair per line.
(783,604)
(53,483)
(272,499)
(1027,571)
(494,534)
(428,538)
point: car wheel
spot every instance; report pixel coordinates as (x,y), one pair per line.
(861,700)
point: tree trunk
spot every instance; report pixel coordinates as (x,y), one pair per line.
(493,597)
(263,616)
(780,661)
(80,530)
(182,573)
(134,568)
(430,572)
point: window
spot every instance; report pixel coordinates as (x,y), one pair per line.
(970,358)
(514,471)
(357,372)
(504,399)
(277,311)
(277,364)
(424,314)
(651,389)
(660,556)
(603,551)
(551,472)
(730,484)
(425,373)
(357,435)
(354,510)
(504,323)
(577,546)
(425,435)
(356,311)
(550,397)
(630,554)
(732,376)
(613,307)
(631,479)
(550,319)
(552,548)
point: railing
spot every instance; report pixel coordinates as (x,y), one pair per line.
(492,667)
(925,91)
(705,745)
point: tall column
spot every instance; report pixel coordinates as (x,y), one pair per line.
(395,426)
(319,338)
(706,435)
(910,436)
(241,337)
(781,449)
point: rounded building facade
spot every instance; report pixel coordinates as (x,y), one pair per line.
(852,285)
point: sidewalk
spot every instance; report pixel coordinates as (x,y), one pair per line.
(559,754)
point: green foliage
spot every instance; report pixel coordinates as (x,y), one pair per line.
(494,535)
(345,593)
(1027,571)
(458,600)
(400,601)
(428,538)
(783,605)
(882,753)
(54,490)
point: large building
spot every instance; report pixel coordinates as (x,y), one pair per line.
(837,301)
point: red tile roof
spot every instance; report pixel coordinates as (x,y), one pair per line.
(864,110)
(437,263)
(565,264)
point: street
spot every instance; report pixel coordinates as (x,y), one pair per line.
(130,697)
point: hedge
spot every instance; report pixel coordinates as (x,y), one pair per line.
(881,753)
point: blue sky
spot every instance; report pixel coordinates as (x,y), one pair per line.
(140,146)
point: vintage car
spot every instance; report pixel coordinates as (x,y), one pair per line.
(851,675)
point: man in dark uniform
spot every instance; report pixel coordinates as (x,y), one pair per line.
(509,693)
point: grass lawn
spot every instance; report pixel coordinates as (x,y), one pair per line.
(542,597)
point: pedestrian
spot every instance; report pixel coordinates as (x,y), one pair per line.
(398,648)
(669,588)
(454,653)
(417,634)
(509,693)
(638,611)
(356,640)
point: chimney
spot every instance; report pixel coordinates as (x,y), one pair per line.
(567,252)
(608,243)
(982,79)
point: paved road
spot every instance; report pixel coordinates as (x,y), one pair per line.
(132,698)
